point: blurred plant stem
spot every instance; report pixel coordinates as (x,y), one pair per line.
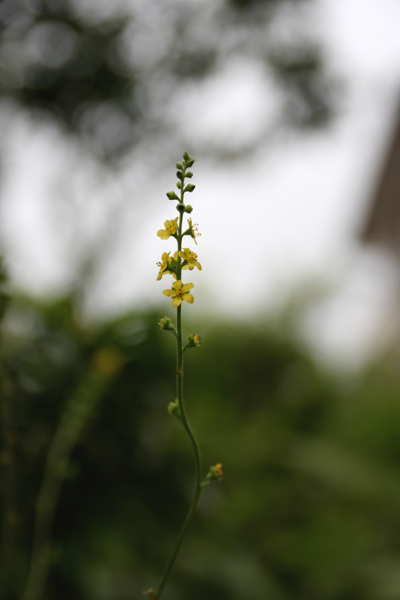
(10,461)
(79,409)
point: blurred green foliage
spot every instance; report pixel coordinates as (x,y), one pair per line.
(310,504)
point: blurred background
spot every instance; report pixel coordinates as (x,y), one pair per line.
(290,109)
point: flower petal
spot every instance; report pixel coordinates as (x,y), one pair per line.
(187,287)
(169,293)
(188,297)
(177,301)
(177,284)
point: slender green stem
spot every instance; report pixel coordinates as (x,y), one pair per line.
(179,395)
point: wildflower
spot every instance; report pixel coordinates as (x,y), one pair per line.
(193,341)
(168,264)
(165,324)
(179,293)
(190,258)
(193,230)
(163,265)
(214,474)
(217,469)
(170,229)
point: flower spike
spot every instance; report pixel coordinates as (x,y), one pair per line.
(181,260)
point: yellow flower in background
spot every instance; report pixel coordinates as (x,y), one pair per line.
(179,293)
(191,259)
(194,231)
(218,470)
(170,229)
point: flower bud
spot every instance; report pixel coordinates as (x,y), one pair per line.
(179,185)
(214,474)
(189,174)
(180,207)
(172,196)
(188,208)
(189,188)
(193,341)
(179,166)
(166,324)
(188,160)
(179,175)
(174,410)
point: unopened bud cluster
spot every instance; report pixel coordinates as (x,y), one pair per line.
(214,474)
(193,341)
(166,324)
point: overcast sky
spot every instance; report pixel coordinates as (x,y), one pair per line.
(268,227)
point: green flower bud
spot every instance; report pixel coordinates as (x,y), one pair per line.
(172,196)
(193,341)
(188,160)
(189,174)
(189,188)
(166,324)
(180,207)
(179,175)
(214,474)
(188,208)
(179,166)
(173,409)
(179,185)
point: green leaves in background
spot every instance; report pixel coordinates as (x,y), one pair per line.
(310,507)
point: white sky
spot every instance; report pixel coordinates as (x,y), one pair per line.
(269,227)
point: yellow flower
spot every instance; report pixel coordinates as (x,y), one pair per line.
(168,264)
(191,259)
(194,231)
(170,229)
(163,265)
(179,293)
(218,470)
